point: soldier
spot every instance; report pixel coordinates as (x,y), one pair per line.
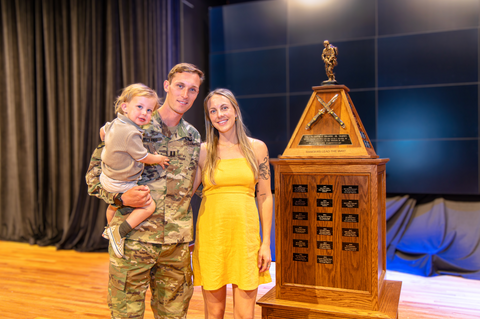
(157,251)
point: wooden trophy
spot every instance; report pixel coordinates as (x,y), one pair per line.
(330,219)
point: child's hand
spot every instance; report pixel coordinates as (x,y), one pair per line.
(153,159)
(163,161)
(102,134)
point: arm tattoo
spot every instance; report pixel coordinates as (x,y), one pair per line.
(264,170)
(259,195)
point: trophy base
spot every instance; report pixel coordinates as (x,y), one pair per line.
(330,82)
(272,307)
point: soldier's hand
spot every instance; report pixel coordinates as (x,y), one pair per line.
(138,196)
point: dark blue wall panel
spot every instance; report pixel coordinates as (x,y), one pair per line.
(271,112)
(306,67)
(356,64)
(266,120)
(249,25)
(439,112)
(431,167)
(316,21)
(248,73)
(413,16)
(433,58)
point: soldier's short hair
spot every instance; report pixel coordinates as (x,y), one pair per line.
(185,67)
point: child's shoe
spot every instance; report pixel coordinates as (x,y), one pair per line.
(105,233)
(116,241)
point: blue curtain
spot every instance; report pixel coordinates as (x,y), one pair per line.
(439,237)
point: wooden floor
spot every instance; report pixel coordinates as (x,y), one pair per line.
(43,283)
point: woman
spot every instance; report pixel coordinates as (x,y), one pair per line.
(228,248)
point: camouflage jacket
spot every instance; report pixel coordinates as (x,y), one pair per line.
(172,221)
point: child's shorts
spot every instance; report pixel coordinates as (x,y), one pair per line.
(115,186)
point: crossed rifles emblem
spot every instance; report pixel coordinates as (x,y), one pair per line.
(326,109)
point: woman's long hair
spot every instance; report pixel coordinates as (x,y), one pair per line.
(212,137)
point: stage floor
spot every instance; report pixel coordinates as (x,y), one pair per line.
(43,283)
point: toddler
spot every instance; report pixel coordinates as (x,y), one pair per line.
(124,156)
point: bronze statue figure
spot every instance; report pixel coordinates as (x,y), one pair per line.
(329,56)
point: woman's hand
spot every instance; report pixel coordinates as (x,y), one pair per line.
(264,258)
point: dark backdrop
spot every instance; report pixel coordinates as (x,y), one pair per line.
(62,65)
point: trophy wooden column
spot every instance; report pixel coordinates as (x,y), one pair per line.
(330,219)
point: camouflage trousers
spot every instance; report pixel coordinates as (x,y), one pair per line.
(166,268)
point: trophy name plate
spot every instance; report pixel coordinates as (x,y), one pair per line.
(349,232)
(350,189)
(328,245)
(325,217)
(300,257)
(325,231)
(300,229)
(300,243)
(300,215)
(300,201)
(350,246)
(325,260)
(325,139)
(349,203)
(303,188)
(350,218)
(324,202)
(324,188)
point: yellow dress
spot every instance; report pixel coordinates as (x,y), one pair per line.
(228,230)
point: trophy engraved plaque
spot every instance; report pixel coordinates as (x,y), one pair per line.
(324,188)
(350,246)
(325,231)
(300,230)
(325,217)
(330,170)
(300,257)
(300,202)
(350,189)
(300,243)
(300,215)
(324,202)
(331,139)
(300,188)
(350,218)
(349,232)
(349,203)
(325,260)
(328,245)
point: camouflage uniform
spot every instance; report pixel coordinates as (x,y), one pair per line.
(156,251)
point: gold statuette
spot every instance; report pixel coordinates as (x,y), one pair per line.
(329,56)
